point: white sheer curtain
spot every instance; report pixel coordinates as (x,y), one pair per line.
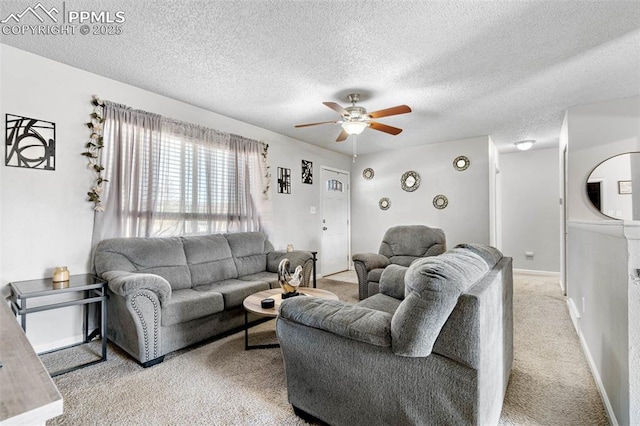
(130,157)
(167,177)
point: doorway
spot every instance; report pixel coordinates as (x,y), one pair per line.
(335,246)
(594,192)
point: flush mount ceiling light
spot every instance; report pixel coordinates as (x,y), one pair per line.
(524,145)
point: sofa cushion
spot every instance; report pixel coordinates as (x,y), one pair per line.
(402,260)
(374,275)
(392,281)
(209,259)
(432,288)
(160,256)
(412,240)
(248,250)
(267,277)
(187,304)
(233,291)
(381,302)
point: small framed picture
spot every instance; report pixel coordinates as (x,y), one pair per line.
(624,187)
(307,172)
(284,180)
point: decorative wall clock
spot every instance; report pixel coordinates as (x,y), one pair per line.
(461,163)
(384,203)
(440,202)
(410,181)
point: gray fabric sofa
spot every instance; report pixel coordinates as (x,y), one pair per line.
(434,347)
(400,245)
(168,293)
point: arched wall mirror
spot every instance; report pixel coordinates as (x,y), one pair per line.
(613,187)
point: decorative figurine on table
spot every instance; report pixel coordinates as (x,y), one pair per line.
(288,282)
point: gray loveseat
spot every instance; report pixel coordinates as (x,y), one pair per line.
(434,347)
(400,245)
(168,293)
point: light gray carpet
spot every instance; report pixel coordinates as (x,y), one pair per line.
(219,383)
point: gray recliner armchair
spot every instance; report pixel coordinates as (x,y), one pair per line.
(401,245)
(434,347)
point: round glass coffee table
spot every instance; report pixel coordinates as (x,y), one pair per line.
(253,304)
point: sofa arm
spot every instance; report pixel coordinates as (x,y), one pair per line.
(296,258)
(371,260)
(363,263)
(126,283)
(392,281)
(337,317)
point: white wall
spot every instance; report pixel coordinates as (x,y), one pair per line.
(45,219)
(495,197)
(465,219)
(597,132)
(530,215)
(563,147)
(601,258)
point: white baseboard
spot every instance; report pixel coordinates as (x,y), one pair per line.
(58,344)
(535,272)
(574,313)
(562,287)
(575,317)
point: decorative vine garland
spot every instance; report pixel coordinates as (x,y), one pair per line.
(94,147)
(267,175)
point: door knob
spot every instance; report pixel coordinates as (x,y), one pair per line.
(324,228)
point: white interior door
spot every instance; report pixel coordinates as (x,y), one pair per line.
(334,256)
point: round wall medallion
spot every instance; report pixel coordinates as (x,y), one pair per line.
(384,203)
(461,163)
(440,201)
(368,173)
(410,181)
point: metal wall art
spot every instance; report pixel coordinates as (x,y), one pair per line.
(461,163)
(307,172)
(30,143)
(284,180)
(410,181)
(368,173)
(384,203)
(440,201)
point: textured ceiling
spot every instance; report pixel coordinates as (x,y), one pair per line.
(502,68)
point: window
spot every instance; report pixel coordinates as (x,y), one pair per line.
(334,185)
(172,178)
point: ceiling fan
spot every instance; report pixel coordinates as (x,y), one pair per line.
(356,118)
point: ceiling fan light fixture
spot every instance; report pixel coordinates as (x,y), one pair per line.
(524,145)
(354,127)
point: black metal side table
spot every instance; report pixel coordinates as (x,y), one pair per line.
(91,290)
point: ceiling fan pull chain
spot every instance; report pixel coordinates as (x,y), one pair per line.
(355,150)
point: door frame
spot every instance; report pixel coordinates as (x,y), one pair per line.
(348,173)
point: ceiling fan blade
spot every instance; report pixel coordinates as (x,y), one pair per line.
(342,136)
(400,109)
(337,108)
(384,128)
(315,124)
